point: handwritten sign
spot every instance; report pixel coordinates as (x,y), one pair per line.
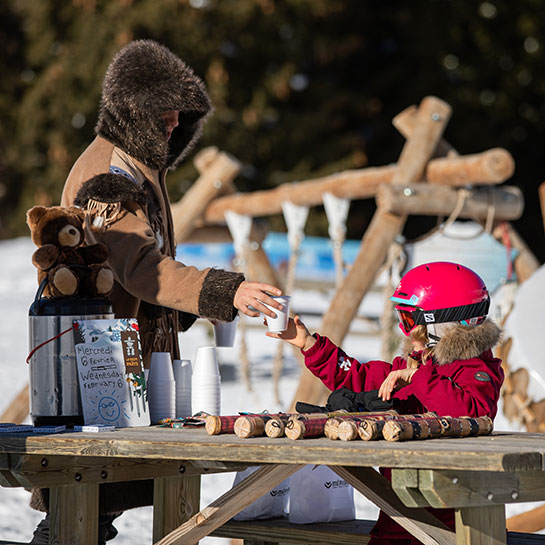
(110,372)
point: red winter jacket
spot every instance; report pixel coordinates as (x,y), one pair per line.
(463,379)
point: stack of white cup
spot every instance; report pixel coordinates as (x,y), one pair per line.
(182,377)
(161,387)
(205,384)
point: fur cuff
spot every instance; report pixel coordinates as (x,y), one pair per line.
(109,188)
(217,295)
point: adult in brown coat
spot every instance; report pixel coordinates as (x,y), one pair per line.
(151,114)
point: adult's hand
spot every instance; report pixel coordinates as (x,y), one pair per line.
(254,294)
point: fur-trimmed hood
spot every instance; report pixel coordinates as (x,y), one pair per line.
(144,80)
(463,342)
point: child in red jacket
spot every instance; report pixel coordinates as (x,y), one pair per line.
(448,366)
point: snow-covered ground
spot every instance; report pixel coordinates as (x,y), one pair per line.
(17,290)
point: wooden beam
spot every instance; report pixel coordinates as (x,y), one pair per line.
(504,203)
(433,116)
(418,522)
(175,501)
(18,409)
(444,488)
(228,505)
(358,184)
(481,526)
(44,472)
(220,171)
(74,515)
(529,521)
(541,191)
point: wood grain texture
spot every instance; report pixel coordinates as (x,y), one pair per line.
(481,526)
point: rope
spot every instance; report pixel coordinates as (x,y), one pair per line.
(45,342)
(463,194)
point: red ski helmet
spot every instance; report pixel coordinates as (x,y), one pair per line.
(439,292)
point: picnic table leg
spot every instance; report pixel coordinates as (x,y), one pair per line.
(73,513)
(175,500)
(481,525)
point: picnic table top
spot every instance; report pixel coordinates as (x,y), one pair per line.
(500,451)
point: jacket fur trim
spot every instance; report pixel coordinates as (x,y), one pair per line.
(216,285)
(110,188)
(144,80)
(463,342)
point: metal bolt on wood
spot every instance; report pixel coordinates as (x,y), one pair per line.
(181,469)
(44,462)
(490,496)
(103,474)
(454,480)
(514,494)
(78,477)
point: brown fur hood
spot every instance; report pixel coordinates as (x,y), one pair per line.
(463,342)
(144,80)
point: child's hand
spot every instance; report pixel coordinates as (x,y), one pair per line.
(296,333)
(395,380)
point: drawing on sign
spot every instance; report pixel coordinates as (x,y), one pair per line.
(110,372)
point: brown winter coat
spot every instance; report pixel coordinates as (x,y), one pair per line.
(119,180)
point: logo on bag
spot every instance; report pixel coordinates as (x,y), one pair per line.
(279,492)
(335,484)
(344,363)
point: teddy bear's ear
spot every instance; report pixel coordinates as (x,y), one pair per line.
(78,212)
(34,215)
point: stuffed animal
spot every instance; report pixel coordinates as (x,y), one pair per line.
(72,268)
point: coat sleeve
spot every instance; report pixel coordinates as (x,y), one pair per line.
(472,388)
(141,268)
(336,369)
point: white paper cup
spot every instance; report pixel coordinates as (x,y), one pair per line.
(280,323)
(182,373)
(206,362)
(161,367)
(225,332)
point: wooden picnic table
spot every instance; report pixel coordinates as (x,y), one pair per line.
(476,475)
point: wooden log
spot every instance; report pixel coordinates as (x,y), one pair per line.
(489,167)
(505,202)
(433,116)
(221,171)
(357,184)
(18,409)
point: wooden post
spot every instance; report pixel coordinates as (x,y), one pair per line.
(74,514)
(18,409)
(541,191)
(480,525)
(220,169)
(175,501)
(433,116)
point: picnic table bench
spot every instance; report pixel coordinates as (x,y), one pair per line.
(476,476)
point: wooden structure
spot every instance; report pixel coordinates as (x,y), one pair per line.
(430,178)
(505,468)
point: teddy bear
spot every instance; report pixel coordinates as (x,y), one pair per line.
(72,267)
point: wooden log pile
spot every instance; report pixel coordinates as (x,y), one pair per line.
(340,425)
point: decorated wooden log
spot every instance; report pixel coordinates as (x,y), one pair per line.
(504,203)
(250,426)
(331,428)
(370,428)
(302,429)
(215,425)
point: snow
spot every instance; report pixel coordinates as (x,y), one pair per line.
(17,290)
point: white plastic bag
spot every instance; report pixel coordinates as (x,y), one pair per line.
(270,505)
(318,494)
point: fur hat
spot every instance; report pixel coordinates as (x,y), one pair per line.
(143,80)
